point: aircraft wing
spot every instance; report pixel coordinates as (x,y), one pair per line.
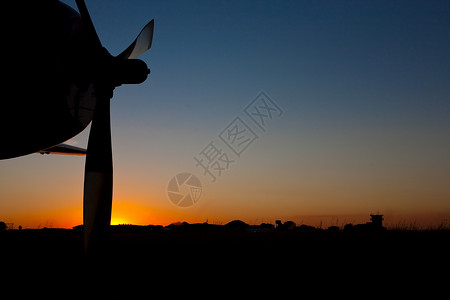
(64,149)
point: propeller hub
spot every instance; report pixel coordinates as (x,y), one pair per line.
(127,71)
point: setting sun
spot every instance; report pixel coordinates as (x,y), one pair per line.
(119,221)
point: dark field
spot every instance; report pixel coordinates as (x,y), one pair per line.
(226,261)
(51,262)
(237,250)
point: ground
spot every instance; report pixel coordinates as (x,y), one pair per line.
(230,255)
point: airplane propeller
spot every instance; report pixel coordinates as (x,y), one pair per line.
(107,72)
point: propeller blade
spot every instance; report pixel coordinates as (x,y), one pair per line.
(87,23)
(98,181)
(142,43)
(107,73)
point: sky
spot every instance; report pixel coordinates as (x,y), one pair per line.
(356,116)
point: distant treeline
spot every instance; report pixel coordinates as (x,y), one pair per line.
(235,226)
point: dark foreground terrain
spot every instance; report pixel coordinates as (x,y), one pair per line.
(208,249)
(228,256)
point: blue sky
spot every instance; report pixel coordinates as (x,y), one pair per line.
(354,60)
(364,86)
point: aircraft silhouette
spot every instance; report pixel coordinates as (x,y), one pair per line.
(64,79)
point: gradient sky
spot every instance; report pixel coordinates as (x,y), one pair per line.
(365,91)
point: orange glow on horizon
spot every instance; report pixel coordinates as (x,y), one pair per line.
(136,214)
(145,212)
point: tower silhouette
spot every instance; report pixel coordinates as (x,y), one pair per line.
(377,221)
